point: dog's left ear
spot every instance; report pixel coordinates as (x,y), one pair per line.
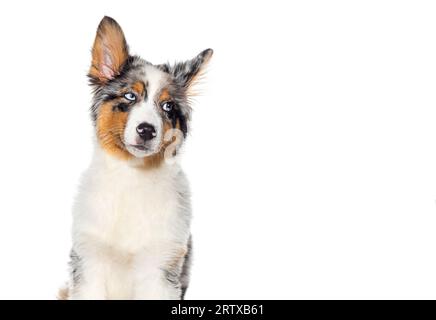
(189,72)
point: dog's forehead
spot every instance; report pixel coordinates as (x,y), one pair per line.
(154,79)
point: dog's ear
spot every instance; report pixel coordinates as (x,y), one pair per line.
(189,72)
(109,52)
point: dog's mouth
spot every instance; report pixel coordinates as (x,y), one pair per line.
(140,147)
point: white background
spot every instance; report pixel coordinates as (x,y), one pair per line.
(312,156)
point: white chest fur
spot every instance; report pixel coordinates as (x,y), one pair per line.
(129,209)
(130,225)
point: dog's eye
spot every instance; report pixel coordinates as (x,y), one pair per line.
(130,96)
(168,106)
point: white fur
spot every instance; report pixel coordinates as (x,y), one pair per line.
(128,223)
(146,112)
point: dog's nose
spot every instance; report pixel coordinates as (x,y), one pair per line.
(146,131)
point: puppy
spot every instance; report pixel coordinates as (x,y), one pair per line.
(131,219)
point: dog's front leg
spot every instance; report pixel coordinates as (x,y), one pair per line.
(155,280)
(88,273)
(155,286)
(90,283)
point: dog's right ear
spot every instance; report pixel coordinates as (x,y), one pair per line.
(109,52)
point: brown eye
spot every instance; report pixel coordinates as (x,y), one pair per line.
(168,106)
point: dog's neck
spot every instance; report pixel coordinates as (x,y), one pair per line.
(102,159)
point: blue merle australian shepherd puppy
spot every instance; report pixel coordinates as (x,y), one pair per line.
(131,227)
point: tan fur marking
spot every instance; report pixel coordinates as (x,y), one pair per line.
(164,95)
(154,161)
(139,87)
(110,130)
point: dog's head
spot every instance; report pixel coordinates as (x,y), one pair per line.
(139,107)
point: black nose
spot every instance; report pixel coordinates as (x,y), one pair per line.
(146,131)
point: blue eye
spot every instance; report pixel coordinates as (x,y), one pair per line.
(168,106)
(130,96)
